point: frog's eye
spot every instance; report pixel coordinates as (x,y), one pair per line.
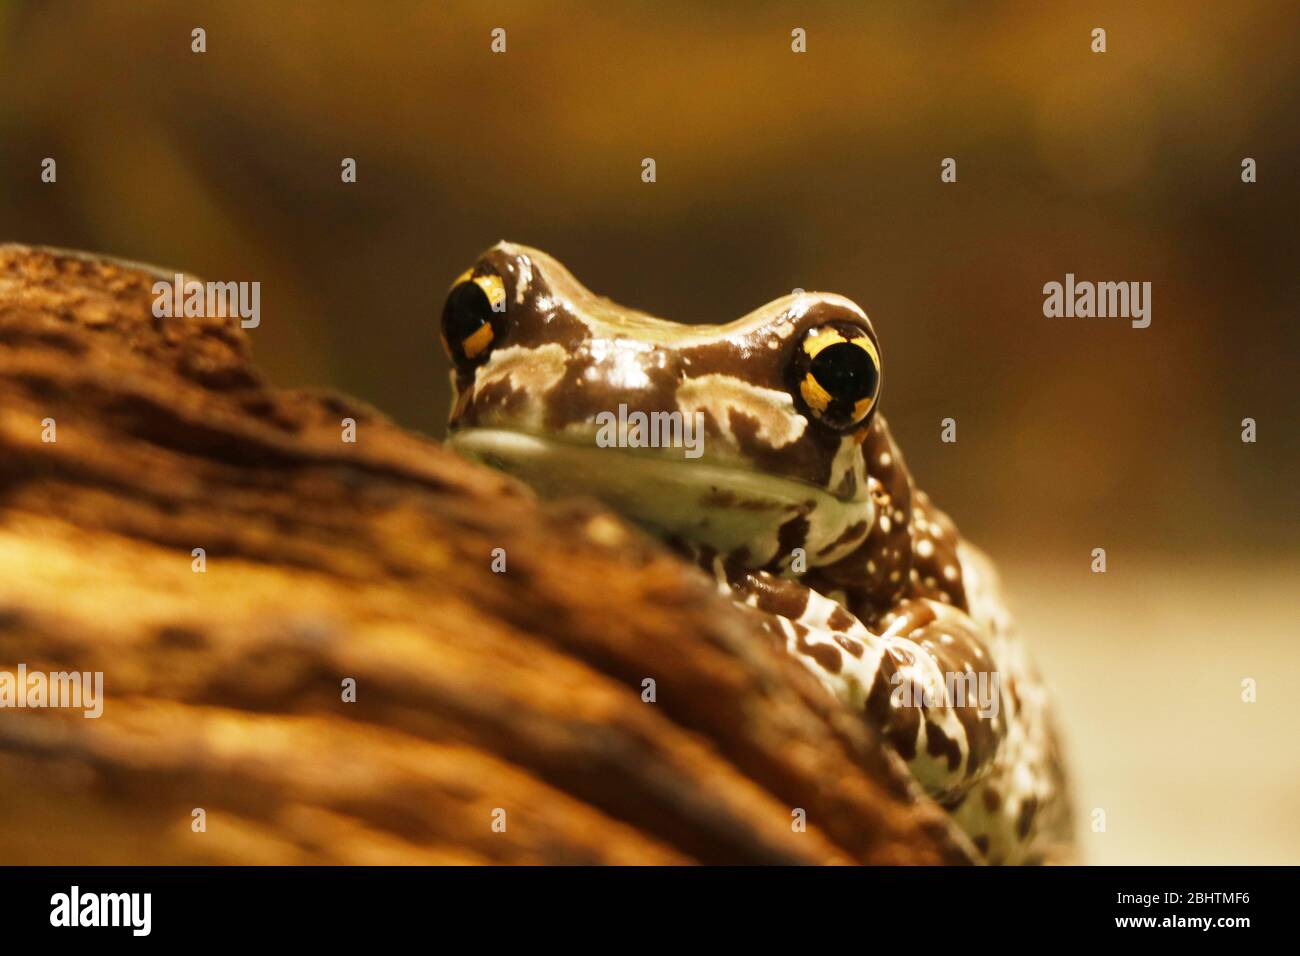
(473,318)
(836,374)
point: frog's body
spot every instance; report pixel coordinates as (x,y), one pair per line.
(797,501)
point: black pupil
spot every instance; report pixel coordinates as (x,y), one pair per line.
(846,372)
(467,310)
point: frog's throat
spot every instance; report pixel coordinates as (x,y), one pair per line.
(726,508)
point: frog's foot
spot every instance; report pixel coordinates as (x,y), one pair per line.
(927,680)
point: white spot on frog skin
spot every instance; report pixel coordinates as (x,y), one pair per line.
(620,363)
(924,547)
(525,278)
(802,303)
(719,395)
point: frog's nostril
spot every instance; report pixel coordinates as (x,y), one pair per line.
(472,319)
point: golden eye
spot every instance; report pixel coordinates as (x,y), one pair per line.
(836,374)
(473,318)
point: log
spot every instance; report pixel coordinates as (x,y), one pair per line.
(498,717)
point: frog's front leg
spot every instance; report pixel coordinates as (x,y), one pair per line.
(926,681)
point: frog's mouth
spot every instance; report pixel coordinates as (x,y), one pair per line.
(722,506)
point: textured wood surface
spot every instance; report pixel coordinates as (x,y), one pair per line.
(327,560)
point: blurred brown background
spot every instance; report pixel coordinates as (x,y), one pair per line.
(819,170)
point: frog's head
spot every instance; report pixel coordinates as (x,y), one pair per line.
(745,439)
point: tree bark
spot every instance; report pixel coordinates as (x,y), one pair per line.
(481,698)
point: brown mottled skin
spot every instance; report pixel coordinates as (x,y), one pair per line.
(799,503)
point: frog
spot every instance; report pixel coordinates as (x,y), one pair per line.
(795,500)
